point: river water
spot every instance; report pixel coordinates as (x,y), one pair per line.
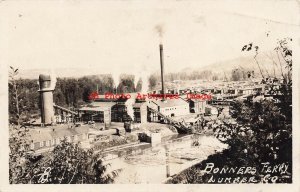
(153,164)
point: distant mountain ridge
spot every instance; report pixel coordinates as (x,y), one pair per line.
(221,67)
(245,63)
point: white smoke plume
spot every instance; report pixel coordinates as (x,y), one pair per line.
(116,78)
(129,105)
(145,78)
(137,77)
(142,74)
(160,30)
(145,82)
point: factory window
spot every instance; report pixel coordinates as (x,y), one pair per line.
(41,144)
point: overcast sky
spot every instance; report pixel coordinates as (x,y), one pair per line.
(124,35)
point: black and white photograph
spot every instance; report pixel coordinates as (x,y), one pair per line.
(150,92)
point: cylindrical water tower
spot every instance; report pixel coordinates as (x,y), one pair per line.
(46,99)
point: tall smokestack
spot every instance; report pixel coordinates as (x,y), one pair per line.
(46,99)
(161,52)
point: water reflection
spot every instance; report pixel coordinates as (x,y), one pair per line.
(154,164)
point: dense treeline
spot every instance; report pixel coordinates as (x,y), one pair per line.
(28,99)
(69,92)
(238,75)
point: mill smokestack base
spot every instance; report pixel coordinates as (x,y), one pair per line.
(161,52)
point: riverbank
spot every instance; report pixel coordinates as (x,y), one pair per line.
(154,164)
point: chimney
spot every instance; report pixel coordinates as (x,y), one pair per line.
(161,52)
